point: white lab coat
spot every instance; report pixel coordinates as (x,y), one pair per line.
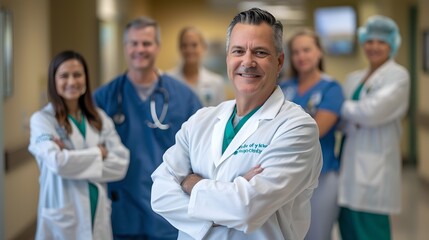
(64,206)
(210,87)
(275,204)
(370,178)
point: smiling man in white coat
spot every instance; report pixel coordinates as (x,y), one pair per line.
(245,169)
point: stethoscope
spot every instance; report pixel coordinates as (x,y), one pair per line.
(119,116)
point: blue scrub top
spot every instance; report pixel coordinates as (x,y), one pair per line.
(327,94)
(131,209)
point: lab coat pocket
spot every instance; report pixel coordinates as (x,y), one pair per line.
(369,169)
(58,223)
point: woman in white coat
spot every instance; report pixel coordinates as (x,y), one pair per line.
(370,179)
(77,150)
(209,86)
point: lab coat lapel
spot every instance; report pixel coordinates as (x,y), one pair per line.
(79,142)
(245,132)
(219,131)
(372,80)
(92,135)
(76,138)
(268,111)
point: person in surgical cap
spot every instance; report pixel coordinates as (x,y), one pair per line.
(376,101)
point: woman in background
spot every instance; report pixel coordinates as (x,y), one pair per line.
(209,86)
(377,100)
(322,98)
(77,150)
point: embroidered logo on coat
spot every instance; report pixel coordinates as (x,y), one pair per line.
(251,148)
(44,137)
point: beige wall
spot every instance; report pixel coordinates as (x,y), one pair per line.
(31,56)
(212,23)
(41,29)
(423,97)
(74,27)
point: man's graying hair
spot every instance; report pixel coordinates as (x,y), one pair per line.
(256,16)
(143,22)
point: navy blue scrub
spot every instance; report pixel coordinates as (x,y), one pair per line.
(132,214)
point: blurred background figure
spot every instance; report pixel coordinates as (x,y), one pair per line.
(148,108)
(209,86)
(377,100)
(77,150)
(322,98)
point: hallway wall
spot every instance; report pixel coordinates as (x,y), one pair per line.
(423,97)
(31,55)
(74,26)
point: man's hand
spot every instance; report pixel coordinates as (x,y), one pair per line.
(253,172)
(189,182)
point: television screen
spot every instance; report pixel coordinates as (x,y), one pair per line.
(336,27)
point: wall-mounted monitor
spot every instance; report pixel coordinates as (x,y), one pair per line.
(336,27)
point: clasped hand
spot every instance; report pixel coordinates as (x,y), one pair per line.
(189,182)
(102,147)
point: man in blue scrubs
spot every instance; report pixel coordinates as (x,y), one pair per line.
(148,109)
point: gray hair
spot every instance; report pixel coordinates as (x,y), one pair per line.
(143,22)
(256,16)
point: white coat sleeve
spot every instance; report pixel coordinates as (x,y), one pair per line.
(167,197)
(115,165)
(292,164)
(382,105)
(69,164)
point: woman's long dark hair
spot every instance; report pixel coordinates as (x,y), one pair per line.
(85,100)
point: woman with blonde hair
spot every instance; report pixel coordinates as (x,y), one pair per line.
(321,97)
(209,86)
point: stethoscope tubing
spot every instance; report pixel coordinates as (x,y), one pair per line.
(119,116)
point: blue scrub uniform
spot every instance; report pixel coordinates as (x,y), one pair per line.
(132,214)
(325,95)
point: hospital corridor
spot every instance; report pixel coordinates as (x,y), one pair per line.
(33,33)
(411,223)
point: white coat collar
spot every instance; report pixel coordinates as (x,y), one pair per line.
(378,71)
(77,140)
(268,111)
(81,142)
(178,73)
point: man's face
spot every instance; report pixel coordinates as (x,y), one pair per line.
(252,61)
(141,48)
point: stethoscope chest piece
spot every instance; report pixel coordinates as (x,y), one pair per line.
(118,118)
